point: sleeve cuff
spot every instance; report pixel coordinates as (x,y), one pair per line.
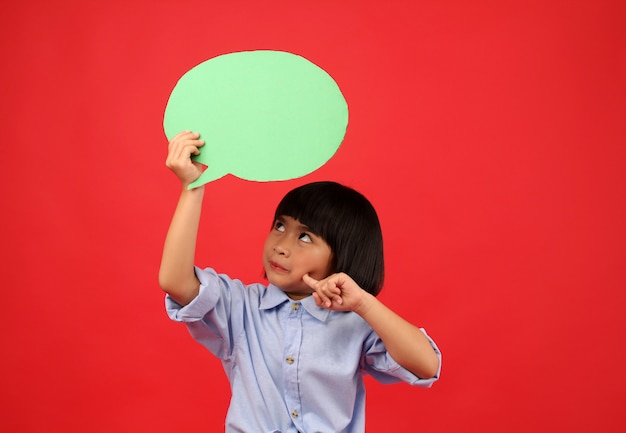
(206,300)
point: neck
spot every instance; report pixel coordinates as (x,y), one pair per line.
(297,296)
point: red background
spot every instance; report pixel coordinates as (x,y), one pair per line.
(489,135)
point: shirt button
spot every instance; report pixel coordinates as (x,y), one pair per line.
(295,307)
(289,360)
(294,413)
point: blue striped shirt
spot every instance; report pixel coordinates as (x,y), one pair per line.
(293,366)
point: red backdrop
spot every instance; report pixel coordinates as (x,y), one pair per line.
(489,135)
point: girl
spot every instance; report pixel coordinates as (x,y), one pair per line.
(295,350)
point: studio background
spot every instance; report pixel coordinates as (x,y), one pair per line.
(489,135)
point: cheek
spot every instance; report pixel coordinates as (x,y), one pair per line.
(324,261)
(267,246)
(331,265)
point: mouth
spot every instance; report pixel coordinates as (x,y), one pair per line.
(276,267)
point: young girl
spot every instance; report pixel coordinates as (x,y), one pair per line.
(295,351)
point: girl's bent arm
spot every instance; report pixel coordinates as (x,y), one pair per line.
(406,343)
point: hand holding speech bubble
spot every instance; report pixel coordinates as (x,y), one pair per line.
(264,115)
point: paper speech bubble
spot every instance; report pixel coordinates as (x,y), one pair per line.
(264,115)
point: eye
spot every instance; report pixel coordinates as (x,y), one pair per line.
(305,238)
(279,226)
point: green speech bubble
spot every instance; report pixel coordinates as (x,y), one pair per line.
(264,115)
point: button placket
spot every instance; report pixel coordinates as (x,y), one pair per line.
(291,351)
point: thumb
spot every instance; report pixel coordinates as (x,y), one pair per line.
(310,281)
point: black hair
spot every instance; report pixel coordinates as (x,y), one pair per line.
(348,222)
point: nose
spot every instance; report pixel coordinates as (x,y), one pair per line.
(280,248)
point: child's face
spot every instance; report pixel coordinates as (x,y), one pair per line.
(292,250)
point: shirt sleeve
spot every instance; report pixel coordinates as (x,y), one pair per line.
(382,367)
(208,316)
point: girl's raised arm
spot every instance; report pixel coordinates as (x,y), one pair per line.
(176,274)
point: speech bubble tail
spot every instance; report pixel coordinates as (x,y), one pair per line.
(207,176)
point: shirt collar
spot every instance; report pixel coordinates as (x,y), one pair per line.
(274,296)
(319,313)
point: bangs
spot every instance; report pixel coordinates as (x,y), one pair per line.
(311,209)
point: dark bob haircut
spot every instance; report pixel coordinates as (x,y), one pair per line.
(347,221)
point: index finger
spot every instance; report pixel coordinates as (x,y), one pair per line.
(309,280)
(181,134)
